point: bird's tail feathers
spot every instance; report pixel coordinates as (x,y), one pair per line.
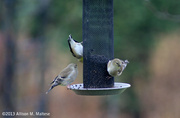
(51,88)
(54,80)
(126,61)
(70,36)
(51,82)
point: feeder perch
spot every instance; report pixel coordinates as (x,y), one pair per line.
(98,49)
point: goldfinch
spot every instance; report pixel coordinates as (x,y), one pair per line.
(66,77)
(116,66)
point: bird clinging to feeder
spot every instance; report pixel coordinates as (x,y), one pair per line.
(116,66)
(76,48)
(66,77)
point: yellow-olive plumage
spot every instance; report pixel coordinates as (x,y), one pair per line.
(116,66)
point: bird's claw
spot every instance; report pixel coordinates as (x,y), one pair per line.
(68,87)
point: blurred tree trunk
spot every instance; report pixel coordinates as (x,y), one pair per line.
(112,107)
(8,84)
(41,20)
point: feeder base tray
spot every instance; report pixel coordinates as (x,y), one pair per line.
(117,89)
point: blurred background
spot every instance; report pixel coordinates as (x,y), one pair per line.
(34,49)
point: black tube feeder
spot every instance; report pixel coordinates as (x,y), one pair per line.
(98,49)
(97,43)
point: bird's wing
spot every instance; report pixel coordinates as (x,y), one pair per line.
(67,71)
(109,63)
(54,80)
(58,81)
(120,71)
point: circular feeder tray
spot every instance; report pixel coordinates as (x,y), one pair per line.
(117,89)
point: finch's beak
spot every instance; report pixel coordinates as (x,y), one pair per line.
(118,65)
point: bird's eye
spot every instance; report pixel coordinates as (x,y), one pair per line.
(118,64)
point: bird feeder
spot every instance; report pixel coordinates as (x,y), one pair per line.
(98,49)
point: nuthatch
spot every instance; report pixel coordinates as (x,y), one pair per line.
(76,48)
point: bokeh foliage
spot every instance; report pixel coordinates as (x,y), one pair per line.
(135,27)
